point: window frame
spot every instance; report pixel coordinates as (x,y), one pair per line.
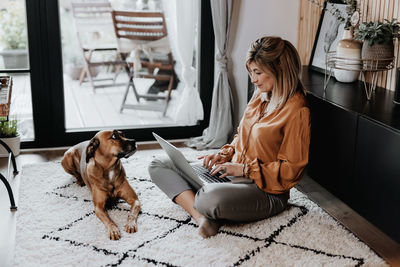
(45,56)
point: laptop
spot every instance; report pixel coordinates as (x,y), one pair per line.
(196,174)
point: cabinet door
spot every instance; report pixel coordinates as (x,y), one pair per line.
(333,135)
(377,173)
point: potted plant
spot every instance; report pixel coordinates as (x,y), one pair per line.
(9,135)
(13,37)
(377,40)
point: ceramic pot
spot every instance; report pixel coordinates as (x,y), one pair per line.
(377,51)
(13,143)
(15,59)
(348,64)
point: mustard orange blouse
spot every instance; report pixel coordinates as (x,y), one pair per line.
(275,146)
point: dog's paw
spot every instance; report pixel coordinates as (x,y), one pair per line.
(80,183)
(131,228)
(113,232)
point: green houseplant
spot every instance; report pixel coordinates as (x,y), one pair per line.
(378,32)
(377,40)
(13,35)
(9,135)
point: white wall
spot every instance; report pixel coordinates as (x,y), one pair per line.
(252,19)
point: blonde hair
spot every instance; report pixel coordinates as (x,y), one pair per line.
(280,58)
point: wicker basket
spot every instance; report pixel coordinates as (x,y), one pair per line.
(6,83)
(377,51)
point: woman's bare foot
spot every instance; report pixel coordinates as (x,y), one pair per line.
(207,227)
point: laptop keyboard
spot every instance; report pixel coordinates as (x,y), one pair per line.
(205,175)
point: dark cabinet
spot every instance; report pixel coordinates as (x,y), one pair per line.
(355,148)
(377,176)
(333,135)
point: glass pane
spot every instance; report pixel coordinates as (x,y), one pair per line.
(13,35)
(95,85)
(14,56)
(21,104)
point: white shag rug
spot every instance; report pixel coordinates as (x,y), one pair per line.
(56,226)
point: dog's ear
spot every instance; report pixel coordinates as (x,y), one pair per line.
(91,148)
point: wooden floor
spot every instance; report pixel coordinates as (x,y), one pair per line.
(360,227)
(365,231)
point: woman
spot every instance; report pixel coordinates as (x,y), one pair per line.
(269,151)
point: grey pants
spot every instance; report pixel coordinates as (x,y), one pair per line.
(237,202)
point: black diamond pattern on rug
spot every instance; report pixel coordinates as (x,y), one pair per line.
(161,231)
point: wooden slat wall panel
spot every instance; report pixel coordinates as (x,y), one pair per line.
(371,10)
(396,14)
(381,75)
(309,15)
(388,74)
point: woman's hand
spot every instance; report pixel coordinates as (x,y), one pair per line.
(228,168)
(210,160)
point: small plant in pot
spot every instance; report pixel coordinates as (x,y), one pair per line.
(13,35)
(377,40)
(9,135)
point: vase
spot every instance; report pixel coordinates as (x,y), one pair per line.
(377,56)
(13,143)
(15,58)
(348,63)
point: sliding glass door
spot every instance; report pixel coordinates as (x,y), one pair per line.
(14,62)
(67,108)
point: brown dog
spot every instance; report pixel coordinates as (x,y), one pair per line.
(96,164)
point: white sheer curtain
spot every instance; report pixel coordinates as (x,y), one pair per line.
(181,17)
(221,126)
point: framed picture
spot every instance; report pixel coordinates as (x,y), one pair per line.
(330,31)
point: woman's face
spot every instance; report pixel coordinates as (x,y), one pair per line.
(262,79)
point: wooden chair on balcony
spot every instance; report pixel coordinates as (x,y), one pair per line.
(143,35)
(92,20)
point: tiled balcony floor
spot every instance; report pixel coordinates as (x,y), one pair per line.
(87,109)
